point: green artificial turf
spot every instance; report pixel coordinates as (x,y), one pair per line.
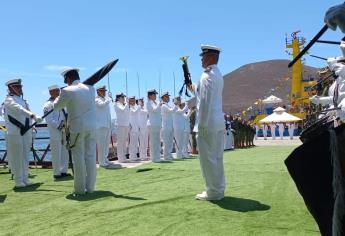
(158,199)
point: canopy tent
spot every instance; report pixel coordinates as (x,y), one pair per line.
(271,100)
(279,115)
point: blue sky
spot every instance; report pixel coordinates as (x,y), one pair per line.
(39,38)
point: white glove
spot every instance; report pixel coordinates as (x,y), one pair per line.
(315,99)
(38,119)
(202,131)
(335,16)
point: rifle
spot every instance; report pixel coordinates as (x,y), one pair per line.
(309,45)
(187,77)
(92,80)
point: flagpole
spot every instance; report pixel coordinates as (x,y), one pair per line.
(138,84)
(174,83)
(126,85)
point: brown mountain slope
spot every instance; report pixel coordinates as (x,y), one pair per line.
(245,85)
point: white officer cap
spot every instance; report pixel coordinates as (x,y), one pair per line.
(101,88)
(70,72)
(206,48)
(131,97)
(14,82)
(165,94)
(65,72)
(151,91)
(53,87)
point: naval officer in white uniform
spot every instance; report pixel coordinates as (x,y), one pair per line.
(210,124)
(167,126)
(154,125)
(179,126)
(18,115)
(143,132)
(134,129)
(103,126)
(79,100)
(122,126)
(56,126)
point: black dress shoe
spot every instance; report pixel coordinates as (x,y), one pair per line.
(58,176)
(65,174)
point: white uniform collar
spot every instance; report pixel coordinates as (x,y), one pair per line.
(75,82)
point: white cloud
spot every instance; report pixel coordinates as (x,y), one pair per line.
(45,92)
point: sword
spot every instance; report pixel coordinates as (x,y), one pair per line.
(309,45)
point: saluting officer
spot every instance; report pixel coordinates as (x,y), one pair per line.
(154,124)
(134,129)
(167,126)
(103,126)
(122,126)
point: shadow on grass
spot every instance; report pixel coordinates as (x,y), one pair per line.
(241,204)
(33,188)
(3,198)
(144,170)
(99,194)
(67,178)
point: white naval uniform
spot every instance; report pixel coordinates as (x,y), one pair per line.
(186,133)
(143,133)
(281,130)
(103,129)
(133,132)
(167,130)
(256,132)
(57,140)
(179,127)
(291,129)
(79,100)
(273,130)
(18,147)
(227,136)
(210,118)
(154,125)
(122,127)
(264,131)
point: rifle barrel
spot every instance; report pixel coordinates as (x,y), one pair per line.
(309,45)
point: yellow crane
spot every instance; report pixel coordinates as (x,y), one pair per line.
(300,85)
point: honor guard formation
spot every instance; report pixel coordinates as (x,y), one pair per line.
(159,128)
(155,128)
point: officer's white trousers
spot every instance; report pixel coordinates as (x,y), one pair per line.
(167,138)
(133,144)
(84,161)
(143,142)
(179,133)
(155,143)
(211,162)
(103,141)
(227,140)
(18,151)
(185,144)
(122,137)
(59,154)
(273,134)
